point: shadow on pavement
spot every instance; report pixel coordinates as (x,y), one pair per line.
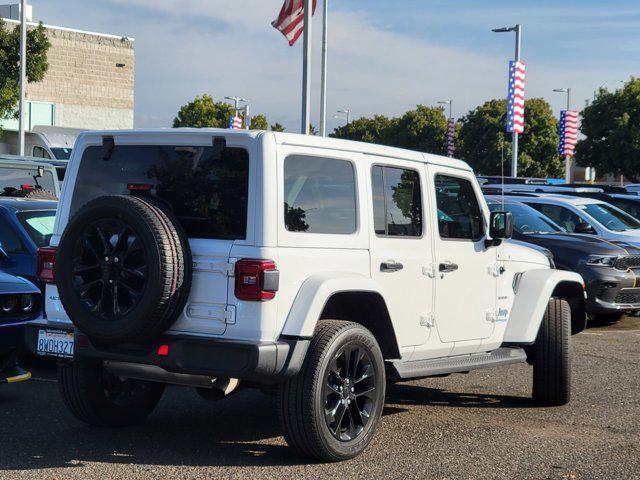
(405,394)
(37,432)
(243,430)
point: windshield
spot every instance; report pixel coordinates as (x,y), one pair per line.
(39,225)
(526,220)
(610,217)
(61,153)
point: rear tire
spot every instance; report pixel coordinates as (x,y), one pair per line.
(331,409)
(551,356)
(98,398)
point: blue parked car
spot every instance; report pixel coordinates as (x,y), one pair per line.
(20,302)
(25,225)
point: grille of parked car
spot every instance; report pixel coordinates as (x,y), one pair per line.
(628,295)
(627,261)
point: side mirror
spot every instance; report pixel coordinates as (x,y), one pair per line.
(584,227)
(500,225)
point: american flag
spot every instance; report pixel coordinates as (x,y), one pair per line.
(568,132)
(515,99)
(290,21)
(451,131)
(235,122)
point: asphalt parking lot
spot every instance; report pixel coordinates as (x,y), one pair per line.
(480,425)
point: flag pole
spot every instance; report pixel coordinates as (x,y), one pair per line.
(23,75)
(306,68)
(323,89)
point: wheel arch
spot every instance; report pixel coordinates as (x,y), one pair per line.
(534,290)
(342,297)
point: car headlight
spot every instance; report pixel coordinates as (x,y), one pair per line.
(27,302)
(602,260)
(8,303)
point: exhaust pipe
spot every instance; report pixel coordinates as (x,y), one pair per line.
(214,388)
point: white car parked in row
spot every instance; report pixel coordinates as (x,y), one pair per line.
(217,258)
(585,215)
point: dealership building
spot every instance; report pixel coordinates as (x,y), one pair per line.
(90,81)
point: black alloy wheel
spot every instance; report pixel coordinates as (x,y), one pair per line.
(123,269)
(331,408)
(349,392)
(110,268)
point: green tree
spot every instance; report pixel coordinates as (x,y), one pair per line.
(611,126)
(277,127)
(372,130)
(204,112)
(259,122)
(482,140)
(37,47)
(423,129)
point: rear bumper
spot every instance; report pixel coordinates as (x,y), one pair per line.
(265,362)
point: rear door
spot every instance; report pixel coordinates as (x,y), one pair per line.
(400,247)
(466,284)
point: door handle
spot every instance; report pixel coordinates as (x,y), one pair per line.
(391,266)
(447,267)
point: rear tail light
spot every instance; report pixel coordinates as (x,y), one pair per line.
(46,264)
(256,279)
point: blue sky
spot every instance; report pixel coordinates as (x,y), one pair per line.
(386,56)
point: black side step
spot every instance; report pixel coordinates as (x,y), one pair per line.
(461,363)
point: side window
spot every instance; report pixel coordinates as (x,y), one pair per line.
(319,195)
(9,241)
(397,202)
(459,213)
(561,215)
(40,152)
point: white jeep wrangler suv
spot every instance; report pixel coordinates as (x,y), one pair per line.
(218,259)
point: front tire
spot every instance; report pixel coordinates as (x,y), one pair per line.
(331,409)
(551,356)
(98,398)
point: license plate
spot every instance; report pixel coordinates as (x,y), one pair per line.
(55,343)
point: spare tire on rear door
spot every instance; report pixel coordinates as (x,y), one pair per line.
(123,269)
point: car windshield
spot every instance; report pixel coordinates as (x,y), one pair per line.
(527,220)
(61,153)
(610,217)
(39,225)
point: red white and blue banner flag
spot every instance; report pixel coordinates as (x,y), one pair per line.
(515,98)
(235,123)
(568,130)
(290,21)
(451,131)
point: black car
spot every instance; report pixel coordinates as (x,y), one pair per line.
(609,269)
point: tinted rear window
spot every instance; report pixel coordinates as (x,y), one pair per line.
(207,194)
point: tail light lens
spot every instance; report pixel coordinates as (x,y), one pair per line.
(256,279)
(46,264)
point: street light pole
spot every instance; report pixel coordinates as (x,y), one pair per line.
(236,106)
(514,144)
(347,112)
(325,54)
(23,75)
(567,158)
(450,103)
